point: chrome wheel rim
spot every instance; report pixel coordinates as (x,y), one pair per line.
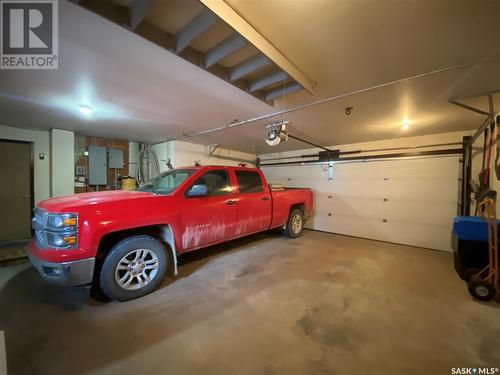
(296,223)
(136,269)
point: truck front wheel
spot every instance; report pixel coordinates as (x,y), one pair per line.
(133,268)
(295,224)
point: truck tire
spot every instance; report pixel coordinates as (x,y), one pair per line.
(295,224)
(134,267)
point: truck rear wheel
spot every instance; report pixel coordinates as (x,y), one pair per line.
(133,268)
(295,224)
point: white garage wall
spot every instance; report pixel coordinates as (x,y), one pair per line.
(63,162)
(41,144)
(184,154)
(404,201)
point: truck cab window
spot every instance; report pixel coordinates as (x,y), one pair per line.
(249,182)
(167,182)
(217,182)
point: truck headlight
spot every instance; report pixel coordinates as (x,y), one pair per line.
(61,240)
(60,221)
(55,230)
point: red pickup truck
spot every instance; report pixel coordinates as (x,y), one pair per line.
(124,241)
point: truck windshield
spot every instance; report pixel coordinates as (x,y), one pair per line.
(167,182)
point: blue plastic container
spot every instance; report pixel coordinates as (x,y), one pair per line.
(471,228)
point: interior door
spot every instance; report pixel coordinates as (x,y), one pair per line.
(212,218)
(15,191)
(254,203)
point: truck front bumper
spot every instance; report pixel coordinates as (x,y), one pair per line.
(73,273)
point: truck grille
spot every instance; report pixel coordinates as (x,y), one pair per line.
(38,223)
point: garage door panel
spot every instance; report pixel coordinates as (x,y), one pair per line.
(353,171)
(361,207)
(422,235)
(435,167)
(437,190)
(437,236)
(432,212)
(442,167)
(348,225)
(410,201)
(357,226)
(420,212)
(356,188)
(307,172)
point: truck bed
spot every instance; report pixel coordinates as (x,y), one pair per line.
(283,198)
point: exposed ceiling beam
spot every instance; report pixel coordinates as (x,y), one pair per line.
(120,15)
(280,91)
(233,19)
(225,48)
(138,10)
(267,80)
(248,66)
(197,26)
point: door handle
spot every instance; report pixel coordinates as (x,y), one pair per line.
(231,201)
(26,196)
(266,198)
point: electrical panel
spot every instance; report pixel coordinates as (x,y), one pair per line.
(115,157)
(98,165)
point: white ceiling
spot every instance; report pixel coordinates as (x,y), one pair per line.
(138,90)
(143,92)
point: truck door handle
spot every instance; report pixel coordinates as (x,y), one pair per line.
(266,198)
(231,201)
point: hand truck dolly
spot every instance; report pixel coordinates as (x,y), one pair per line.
(485,285)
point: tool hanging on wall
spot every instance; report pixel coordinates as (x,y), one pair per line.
(484,191)
(497,157)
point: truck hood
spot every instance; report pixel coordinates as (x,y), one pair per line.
(72,202)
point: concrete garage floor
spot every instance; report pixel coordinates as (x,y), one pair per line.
(321,304)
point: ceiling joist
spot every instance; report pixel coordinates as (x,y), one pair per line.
(197,26)
(138,10)
(267,80)
(233,19)
(225,48)
(134,17)
(281,91)
(248,66)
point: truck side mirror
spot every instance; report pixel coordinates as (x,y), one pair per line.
(197,191)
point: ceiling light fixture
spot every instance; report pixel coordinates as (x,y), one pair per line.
(85,109)
(406,124)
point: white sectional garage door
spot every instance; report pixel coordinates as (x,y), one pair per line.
(406,201)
